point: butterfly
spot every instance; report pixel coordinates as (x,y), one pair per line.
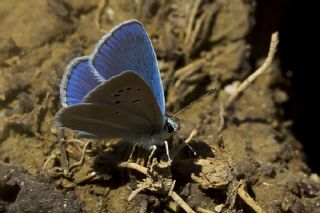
(116,92)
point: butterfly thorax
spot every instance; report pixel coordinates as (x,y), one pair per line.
(146,140)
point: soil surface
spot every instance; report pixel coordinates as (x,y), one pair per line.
(200,45)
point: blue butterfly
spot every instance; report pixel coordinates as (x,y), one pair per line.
(116,92)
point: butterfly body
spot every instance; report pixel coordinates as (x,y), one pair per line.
(116,92)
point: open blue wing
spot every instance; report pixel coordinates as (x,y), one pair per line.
(128,47)
(78,80)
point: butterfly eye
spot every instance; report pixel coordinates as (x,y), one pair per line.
(170,128)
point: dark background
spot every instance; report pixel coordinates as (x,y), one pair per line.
(298,53)
(297,23)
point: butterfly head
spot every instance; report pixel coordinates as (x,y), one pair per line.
(171,126)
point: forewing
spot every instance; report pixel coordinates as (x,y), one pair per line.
(128,47)
(129,92)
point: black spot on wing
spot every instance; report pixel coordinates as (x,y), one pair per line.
(136,100)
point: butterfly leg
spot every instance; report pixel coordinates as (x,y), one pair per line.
(153,149)
(167,150)
(132,152)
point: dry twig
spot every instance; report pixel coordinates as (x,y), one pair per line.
(80,162)
(191,21)
(137,191)
(97,18)
(147,184)
(248,199)
(134,166)
(202,210)
(181,202)
(265,66)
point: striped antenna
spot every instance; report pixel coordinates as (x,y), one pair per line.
(195,101)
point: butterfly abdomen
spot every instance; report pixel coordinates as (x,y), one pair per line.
(145,140)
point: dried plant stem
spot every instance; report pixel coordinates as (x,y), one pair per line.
(137,191)
(99,13)
(265,66)
(63,151)
(80,162)
(53,156)
(86,178)
(221,115)
(183,73)
(134,166)
(192,17)
(202,210)
(192,134)
(196,31)
(171,193)
(181,202)
(248,199)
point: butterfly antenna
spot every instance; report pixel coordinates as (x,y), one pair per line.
(195,101)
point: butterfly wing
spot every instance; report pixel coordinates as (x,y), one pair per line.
(91,107)
(101,120)
(78,80)
(128,47)
(124,106)
(129,92)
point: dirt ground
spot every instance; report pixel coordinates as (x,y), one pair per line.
(199,45)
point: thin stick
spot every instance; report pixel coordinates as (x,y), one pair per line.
(181,202)
(80,162)
(192,17)
(52,156)
(134,166)
(64,156)
(221,115)
(86,178)
(192,134)
(251,202)
(202,210)
(183,73)
(137,191)
(193,38)
(265,66)
(172,187)
(98,15)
